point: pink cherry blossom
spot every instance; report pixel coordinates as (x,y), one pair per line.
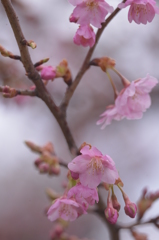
(83,195)
(134,99)
(64,208)
(107,117)
(48,73)
(91,12)
(141,11)
(93,167)
(131,102)
(85,36)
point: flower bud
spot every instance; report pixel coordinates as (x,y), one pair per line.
(111,214)
(73,19)
(33,147)
(74,175)
(38,162)
(9,92)
(48,73)
(43,167)
(130,209)
(32,44)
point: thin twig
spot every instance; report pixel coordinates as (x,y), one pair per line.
(152,220)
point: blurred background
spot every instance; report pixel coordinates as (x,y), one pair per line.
(133,145)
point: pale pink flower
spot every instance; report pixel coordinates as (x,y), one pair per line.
(131,102)
(107,117)
(134,99)
(141,11)
(91,12)
(83,195)
(48,73)
(93,167)
(64,208)
(85,36)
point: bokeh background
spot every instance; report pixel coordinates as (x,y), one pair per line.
(134,145)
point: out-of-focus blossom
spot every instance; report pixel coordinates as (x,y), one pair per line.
(64,208)
(139,236)
(93,167)
(134,99)
(85,36)
(107,117)
(91,12)
(131,102)
(141,11)
(83,195)
(146,201)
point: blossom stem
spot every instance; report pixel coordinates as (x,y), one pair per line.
(112,83)
(123,79)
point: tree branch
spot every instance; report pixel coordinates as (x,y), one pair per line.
(35,77)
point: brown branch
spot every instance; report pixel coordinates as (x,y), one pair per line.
(31,93)
(9,92)
(85,65)
(152,220)
(35,77)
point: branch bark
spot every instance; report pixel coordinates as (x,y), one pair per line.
(35,77)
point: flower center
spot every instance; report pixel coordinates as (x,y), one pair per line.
(96,165)
(138,8)
(91,4)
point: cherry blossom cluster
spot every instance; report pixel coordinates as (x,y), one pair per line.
(93,12)
(87,13)
(87,171)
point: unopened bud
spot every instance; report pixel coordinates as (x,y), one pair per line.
(9,92)
(73,19)
(54,169)
(48,148)
(32,44)
(130,208)
(61,69)
(33,147)
(111,214)
(74,175)
(38,162)
(43,167)
(48,73)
